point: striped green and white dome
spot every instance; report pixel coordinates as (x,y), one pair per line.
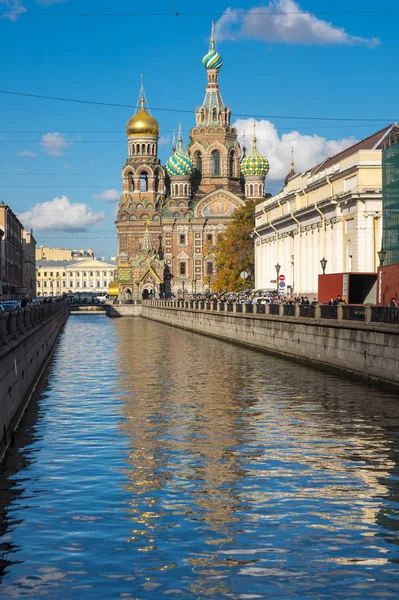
(179,163)
(212,60)
(254,165)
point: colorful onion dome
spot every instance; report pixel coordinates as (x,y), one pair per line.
(142,124)
(254,165)
(212,60)
(179,163)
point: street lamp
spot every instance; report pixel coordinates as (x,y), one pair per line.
(277,267)
(381,255)
(209,283)
(194,286)
(226,280)
(183,288)
(323,263)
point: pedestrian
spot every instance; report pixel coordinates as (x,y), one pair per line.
(305,301)
(339,300)
(393,303)
(331,302)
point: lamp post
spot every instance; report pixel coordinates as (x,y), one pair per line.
(209,283)
(183,288)
(226,280)
(194,286)
(323,263)
(381,255)
(277,267)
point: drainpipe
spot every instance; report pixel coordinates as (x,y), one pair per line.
(331,186)
(323,218)
(299,261)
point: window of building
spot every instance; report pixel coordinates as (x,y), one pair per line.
(45,273)
(143,181)
(84,284)
(182,238)
(91,273)
(209,268)
(198,161)
(44,283)
(215,163)
(209,237)
(231,163)
(51,273)
(182,268)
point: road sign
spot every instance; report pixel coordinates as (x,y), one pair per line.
(273,281)
(244,275)
(282,284)
(282,277)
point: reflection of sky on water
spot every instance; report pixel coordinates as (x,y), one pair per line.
(161,462)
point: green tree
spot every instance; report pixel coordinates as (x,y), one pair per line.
(235,252)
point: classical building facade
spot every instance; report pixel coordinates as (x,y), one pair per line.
(330,212)
(170,217)
(54,278)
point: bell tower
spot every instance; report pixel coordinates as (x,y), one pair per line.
(213,148)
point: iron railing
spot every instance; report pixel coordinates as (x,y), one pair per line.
(385,314)
(307,310)
(274,309)
(353,313)
(289,310)
(328,312)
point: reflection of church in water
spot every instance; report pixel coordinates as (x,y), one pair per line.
(171,218)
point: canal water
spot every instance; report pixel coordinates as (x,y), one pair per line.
(159,463)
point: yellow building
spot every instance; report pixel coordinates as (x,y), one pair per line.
(332,211)
(54,278)
(56,254)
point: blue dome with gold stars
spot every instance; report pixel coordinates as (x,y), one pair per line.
(179,163)
(254,165)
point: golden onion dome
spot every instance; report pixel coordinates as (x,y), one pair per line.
(142,124)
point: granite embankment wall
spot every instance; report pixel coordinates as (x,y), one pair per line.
(27,337)
(367,350)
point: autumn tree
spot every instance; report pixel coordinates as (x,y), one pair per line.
(235,252)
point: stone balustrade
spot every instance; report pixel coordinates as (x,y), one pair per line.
(338,313)
(19,322)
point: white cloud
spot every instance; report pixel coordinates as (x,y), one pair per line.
(15,9)
(27,153)
(108,195)
(54,144)
(60,214)
(309,150)
(292,25)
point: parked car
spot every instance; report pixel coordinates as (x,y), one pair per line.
(10,305)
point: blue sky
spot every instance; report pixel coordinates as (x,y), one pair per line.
(325,62)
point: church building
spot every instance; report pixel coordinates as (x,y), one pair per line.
(169,218)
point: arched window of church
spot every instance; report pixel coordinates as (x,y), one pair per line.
(142,148)
(181,189)
(153,149)
(148,148)
(132,147)
(185,190)
(214,114)
(231,163)
(156,181)
(251,190)
(215,163)
(137,148)
(143,181)
(198,161)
